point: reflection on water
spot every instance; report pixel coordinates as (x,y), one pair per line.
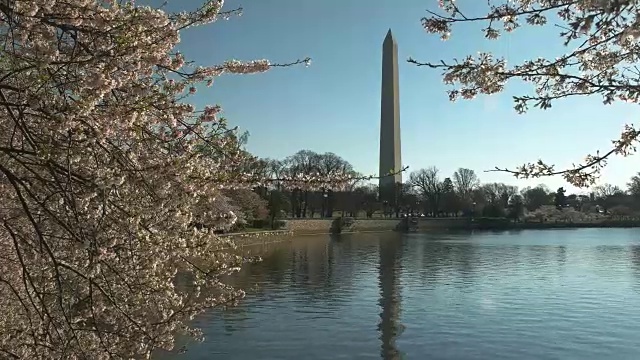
(390,300)
(566,294)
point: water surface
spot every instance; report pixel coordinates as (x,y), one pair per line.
(536,294)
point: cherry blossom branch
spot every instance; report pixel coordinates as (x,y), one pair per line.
(103,171)
(602,64)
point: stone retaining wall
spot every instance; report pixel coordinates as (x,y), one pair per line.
(309,226)
(375,225)
(425,223)
(326,226)
(259,237)
(323,226)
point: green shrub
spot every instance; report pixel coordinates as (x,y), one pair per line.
(279,224)
(260,224)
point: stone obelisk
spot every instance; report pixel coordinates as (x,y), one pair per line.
(390,159)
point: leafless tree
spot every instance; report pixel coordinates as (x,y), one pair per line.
(429,185)
(499,193)
(464,182)
(606,190)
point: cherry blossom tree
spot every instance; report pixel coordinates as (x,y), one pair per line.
(104,170)
(601,37)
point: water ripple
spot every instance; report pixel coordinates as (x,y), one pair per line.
(567,294)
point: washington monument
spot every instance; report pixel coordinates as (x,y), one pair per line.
(390,159)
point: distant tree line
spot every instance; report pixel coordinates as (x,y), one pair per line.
(424,193)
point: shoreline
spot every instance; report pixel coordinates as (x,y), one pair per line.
(250,238)
(501,224)
(535,226)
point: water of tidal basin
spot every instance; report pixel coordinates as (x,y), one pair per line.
(546,294)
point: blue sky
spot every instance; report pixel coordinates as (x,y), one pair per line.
(334,105)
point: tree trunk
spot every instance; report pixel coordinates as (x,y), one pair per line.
(304,204)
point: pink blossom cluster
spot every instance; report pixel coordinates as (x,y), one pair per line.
(104,170)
